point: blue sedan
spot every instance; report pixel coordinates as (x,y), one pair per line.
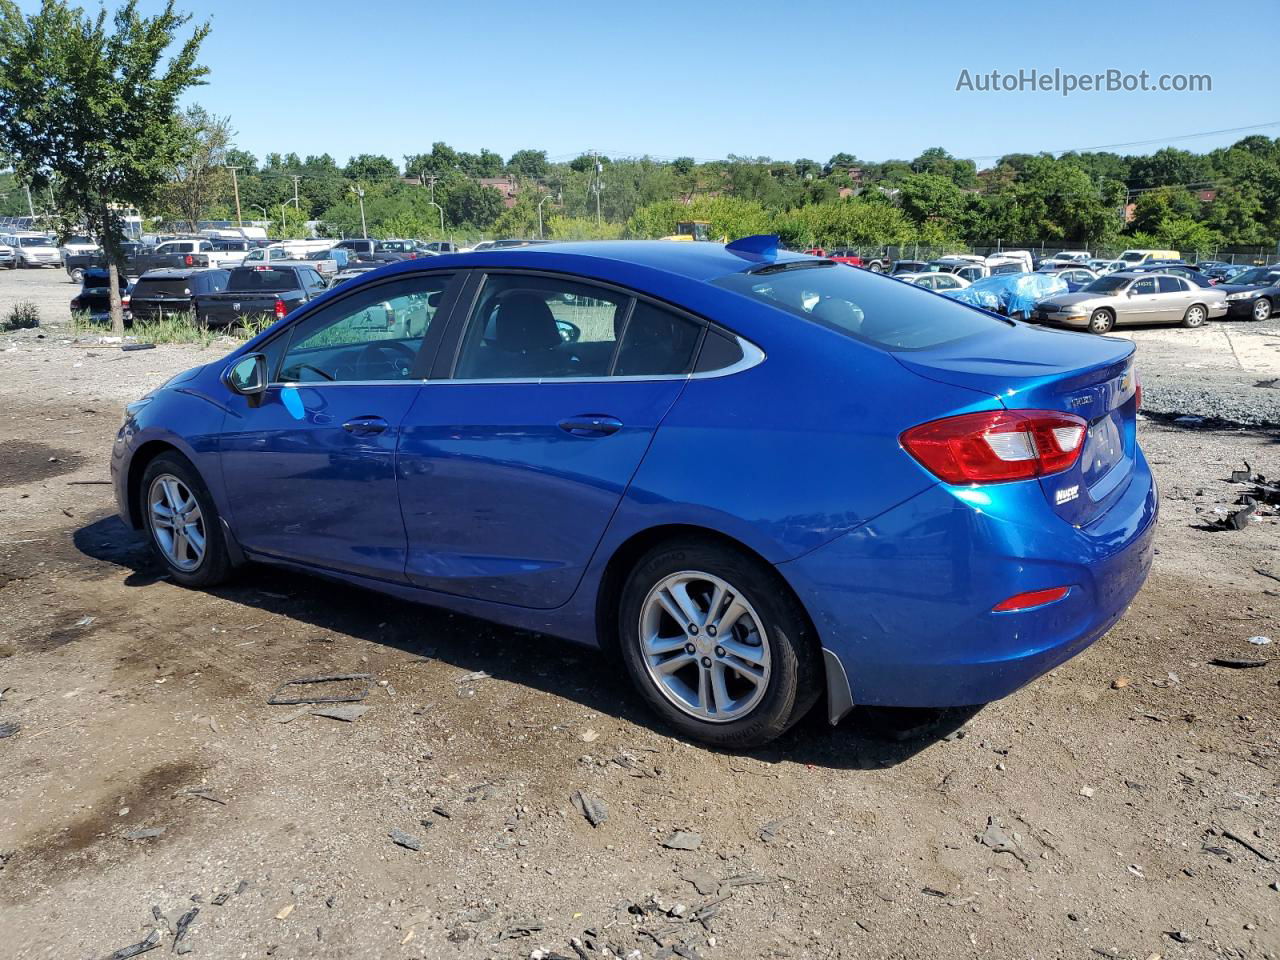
(754,479)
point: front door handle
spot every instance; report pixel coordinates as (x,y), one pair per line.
(365,426)
(590,425)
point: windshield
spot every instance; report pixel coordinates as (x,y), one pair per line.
(895,316)
(1258,275)
(1132,256)
(1107,285)
(34,242)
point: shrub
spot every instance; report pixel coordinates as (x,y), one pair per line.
(23,315)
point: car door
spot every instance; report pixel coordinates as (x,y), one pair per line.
(1142,302)
(513,460)
(309,466)
(1173,299)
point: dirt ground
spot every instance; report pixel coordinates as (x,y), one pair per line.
(1126,805)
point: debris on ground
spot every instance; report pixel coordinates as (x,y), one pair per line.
(1247,845)
(348,714)
(472,677)
(516,929)
(184,924)
(203,793)
(285,911)
(406,840)
(146,833)
(1000,842)
(1238,663)
(350,696)
(124,953)
(769,832)
(9,728)
(1119,683)
(1258,641)
(130,347)
(683,840)
(592,808)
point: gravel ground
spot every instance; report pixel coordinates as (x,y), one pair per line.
(1125,805)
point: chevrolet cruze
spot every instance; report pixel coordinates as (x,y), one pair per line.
(754,479)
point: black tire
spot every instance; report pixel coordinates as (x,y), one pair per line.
(793,684)
(76,274)
(1262,309)
(876,267)
(215,565)
(1102,321)
(1195,316)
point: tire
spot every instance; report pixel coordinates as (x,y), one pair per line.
(771,638)
(1195,316)
(1262,308)
(1102,321)
(168,480)
(876,267)
(76,274)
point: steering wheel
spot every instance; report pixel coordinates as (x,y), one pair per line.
(379,351)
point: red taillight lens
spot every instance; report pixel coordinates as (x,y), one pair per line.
(279,308)
(189,260)
(997,447)
(1137,390)
(124,299)
(1032,598)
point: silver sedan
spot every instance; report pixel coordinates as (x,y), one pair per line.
(1122,299)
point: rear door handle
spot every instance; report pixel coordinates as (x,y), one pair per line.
(365,426)
(590,425)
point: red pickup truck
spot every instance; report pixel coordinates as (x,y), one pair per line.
(846,255)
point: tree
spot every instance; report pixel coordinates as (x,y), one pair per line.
(529,164)
(199,175)
(90,109)
(467,202)
(928,196)
(366,166)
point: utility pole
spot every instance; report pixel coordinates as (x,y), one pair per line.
(541,234)
(431,184)
(31,207)
(295,178)
(235,185)
(599,175)
(364,229)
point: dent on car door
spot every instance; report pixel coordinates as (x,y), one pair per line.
(514,461)
(309,466)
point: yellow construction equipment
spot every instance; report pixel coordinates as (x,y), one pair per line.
(690,230)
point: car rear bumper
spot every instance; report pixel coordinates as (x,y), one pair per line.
(905,602)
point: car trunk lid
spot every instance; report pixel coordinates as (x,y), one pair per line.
(1029,368)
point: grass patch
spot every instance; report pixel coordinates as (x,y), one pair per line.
(23,315)
(173,328)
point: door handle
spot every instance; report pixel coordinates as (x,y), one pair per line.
(365,426)
(590,425)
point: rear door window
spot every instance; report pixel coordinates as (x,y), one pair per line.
(893,316)
(656,342)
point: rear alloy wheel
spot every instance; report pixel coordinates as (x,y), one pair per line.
(183,523)
(77,275)
(1262,309)
(1101,321)
(715,645)
(1195,316)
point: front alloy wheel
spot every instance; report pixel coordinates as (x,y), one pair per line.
(1262,309)
(182,519)
(704,646)
(177,525)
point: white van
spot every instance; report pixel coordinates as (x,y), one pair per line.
(1134,257)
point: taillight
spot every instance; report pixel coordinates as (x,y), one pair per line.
(279,308)
(189,260)
(124,299)
(997,447)
(1030,599)
(1137,391)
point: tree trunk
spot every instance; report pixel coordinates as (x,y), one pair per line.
(111,247)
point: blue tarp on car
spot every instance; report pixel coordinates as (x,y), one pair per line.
(1010,293)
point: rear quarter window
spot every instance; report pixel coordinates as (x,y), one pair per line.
(883,312)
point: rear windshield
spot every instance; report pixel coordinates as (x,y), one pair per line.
(253,278)
(887,313)
(147,287)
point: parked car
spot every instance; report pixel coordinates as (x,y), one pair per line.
(1106,266)
(1253,293)
(33,250)
(934,281)
(436,246)
(165,293)
(8,258)
(1076,278)
(78,243)
(908,266)
(192,252)
(1010,294)
(1185,270)
(946,545)
(94,297)
(1069,256)
(265,290)
(350,273)
(78,263)
(367,250)
(1126,298)
(1134,257)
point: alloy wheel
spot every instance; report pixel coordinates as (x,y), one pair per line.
(704,646)
(1261,309)
(177,523)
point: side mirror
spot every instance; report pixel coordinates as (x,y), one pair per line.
(248,375)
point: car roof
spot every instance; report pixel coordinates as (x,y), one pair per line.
(178,274)
(698,260)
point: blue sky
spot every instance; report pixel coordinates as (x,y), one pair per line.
(706,79)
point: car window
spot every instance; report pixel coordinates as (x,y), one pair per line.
(374,334)
(1172,285)
(540,328)
(1143,287)
(656,342)
(946,283)
(862,305)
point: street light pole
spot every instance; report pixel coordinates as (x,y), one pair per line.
(541,234)
(364,228)
(235,185)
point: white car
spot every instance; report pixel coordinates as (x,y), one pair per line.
(934,281)
(34,250)
(75,245)
(1106,266)
(8,258)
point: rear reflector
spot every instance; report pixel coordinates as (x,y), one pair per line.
(1032,598)
(997,447)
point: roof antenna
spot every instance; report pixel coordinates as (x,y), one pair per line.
(759,246)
